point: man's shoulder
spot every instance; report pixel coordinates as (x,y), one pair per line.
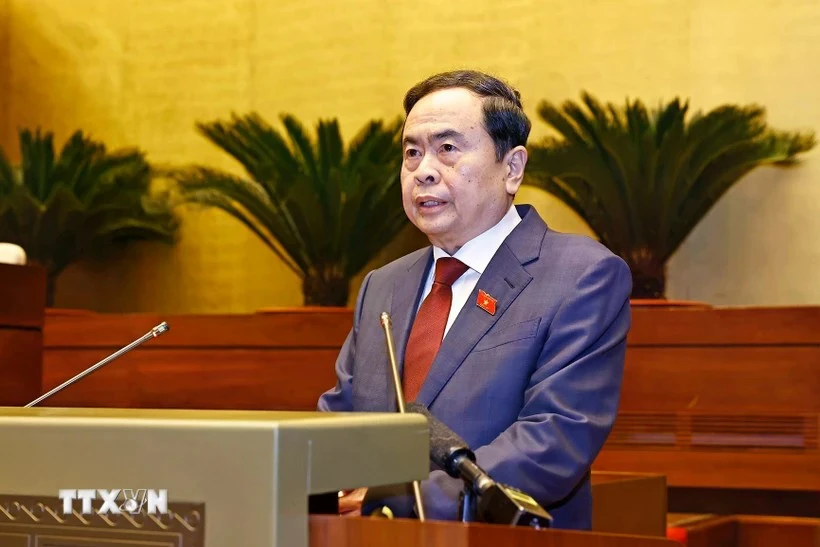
(379,283)
(553,248)
(398,266)
(575,253)
(581,247)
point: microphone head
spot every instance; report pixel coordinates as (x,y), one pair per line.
(159,329)
(501,504)
(445,444)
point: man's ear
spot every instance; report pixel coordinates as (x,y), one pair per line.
(515,161)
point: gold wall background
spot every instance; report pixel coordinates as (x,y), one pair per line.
(142,72)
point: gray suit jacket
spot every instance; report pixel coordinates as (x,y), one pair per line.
(533,389)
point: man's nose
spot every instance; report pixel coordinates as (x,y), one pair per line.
(428,170)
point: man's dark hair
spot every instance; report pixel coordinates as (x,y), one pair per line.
(504,118)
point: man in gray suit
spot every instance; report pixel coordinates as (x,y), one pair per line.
(510,333)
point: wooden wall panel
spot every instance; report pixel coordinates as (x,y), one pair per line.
(310,328)
(22,306)
(22,296)
(725,326)
(21,354)
(749,469)
(721,398)
(253,379)
(275,361)
(733,378)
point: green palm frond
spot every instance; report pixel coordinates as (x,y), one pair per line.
(324,208)
(644,179)
(82,201)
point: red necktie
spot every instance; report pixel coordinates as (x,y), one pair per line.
(428,328)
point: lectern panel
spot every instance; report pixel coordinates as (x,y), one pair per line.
(39,520)
(249,472)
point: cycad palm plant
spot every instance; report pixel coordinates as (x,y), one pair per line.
(79,203)
(324,209)
(643,180)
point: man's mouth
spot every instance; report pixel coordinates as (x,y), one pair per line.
(429,203)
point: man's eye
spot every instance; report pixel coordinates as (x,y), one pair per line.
(411,153)
(448,148)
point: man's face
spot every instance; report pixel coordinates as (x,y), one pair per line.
(453,189)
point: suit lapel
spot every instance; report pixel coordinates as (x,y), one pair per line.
(502,282)
(504,279)
(406,293)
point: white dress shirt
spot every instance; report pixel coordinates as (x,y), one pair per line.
(476,254)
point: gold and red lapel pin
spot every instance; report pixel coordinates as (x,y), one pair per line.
(486,302)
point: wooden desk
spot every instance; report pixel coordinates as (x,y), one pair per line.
(751,531)
(629,503)
(327,531)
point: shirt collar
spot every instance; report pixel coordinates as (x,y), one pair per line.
(478,252)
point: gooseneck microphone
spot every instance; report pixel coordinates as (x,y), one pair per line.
(153,333)
(450,452)
(496,503)
(394,369)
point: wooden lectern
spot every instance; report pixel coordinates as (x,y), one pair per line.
(22,311)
